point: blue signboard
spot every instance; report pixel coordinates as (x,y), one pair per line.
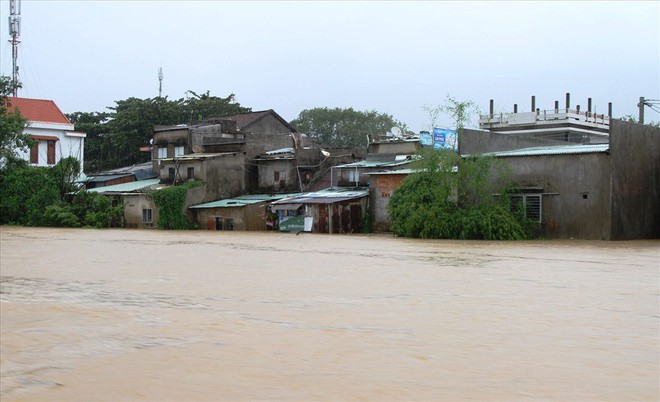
(425,138)
(444,138)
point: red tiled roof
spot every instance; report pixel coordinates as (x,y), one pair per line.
(41,110)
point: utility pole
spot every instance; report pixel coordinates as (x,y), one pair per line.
(653,104)
(14,32)
(160,82)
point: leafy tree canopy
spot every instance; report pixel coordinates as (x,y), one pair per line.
(114,138)
(450,197)
(343,127)
(12,137)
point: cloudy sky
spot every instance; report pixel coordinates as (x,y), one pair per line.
(389,56)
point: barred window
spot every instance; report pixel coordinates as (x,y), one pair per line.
(530,204)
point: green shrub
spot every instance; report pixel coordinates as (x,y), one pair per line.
(449,197)
(170,202)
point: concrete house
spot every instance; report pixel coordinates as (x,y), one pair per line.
(384,154)
(277,171)
(139,210)
(607,191)
(51,129)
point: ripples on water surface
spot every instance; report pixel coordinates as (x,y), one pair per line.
(148,315)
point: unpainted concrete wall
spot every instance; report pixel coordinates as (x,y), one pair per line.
(577,189)
(635,154)
(133,205)
(248,217)
(478,141)
(287,172)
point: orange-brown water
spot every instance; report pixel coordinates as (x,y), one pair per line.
(123,315)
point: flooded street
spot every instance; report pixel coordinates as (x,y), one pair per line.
(118,315)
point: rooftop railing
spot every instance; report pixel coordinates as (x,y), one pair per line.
(548,116)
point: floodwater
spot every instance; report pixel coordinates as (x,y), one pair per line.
(145,315)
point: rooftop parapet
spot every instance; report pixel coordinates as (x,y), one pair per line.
(545,118)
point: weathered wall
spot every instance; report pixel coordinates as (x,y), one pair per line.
(287,173)
(635,156)
(477,141)
(247,217)
(223,175)
(133,205)
(259,142)
(381,187)
(395,148)
(577,187)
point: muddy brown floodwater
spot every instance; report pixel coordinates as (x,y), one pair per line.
(118,315)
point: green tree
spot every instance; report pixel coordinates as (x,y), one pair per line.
(343,127)
(449,197)
(26,193)
(12,137)
(64,174)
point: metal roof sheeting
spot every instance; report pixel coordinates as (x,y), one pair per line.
(327,196)
(242,201)
(552,150)
(126,187)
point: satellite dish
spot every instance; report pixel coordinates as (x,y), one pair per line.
(396,131)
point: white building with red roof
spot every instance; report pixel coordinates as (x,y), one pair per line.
(51,129)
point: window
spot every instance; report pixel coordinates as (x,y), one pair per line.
(34,153)
(191,173)
(51,152)
(229,224)
(178,151)
(224,223)
(353,176)
(146,215)
(530,204)
(276,177)
(162,152)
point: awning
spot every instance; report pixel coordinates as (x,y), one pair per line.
(44,137)
(285,207)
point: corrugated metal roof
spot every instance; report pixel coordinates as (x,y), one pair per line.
(126,187)
(552,150)
(199,156)
(100,179)
(327,196)
(400,171)
(242,200)
(373,164)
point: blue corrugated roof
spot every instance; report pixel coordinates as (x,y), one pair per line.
(552,150)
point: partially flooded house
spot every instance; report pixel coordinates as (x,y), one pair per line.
(334,210)
(247,213)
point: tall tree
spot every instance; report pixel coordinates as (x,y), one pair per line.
(12,137)
(343,127)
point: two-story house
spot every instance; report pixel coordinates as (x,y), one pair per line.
(51,130)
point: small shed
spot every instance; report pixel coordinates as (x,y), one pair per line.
(139,210)
(247,212)
(333,210)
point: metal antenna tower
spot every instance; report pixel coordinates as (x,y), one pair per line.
(14,32)
(160,82)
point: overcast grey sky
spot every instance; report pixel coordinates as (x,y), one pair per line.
(389,56)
